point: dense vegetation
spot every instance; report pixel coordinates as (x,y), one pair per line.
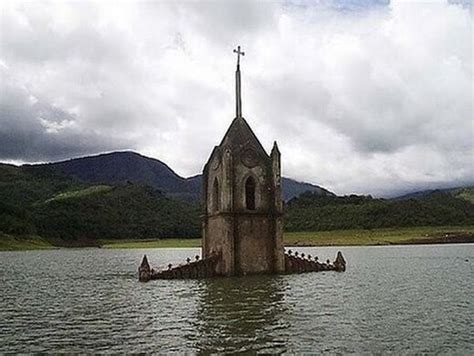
(22,188)
(38,200)
(116,212)
(311,212)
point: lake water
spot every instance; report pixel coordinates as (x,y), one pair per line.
(399,299)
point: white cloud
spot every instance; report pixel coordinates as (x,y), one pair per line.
(366,99)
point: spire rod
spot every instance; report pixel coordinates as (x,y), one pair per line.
(238,99)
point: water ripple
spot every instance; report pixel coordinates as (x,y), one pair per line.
(401,300)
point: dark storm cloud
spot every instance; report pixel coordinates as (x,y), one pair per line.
(32,130)
(362,96)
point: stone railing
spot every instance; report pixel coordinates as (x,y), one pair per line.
(299,263)
(199,268)
(204,268)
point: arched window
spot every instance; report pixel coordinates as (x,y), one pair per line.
(250,193)
(215,196)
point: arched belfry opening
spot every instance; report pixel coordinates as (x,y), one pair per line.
(250,193)
(215,196)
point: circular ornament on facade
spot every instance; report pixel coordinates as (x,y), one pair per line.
(249,158)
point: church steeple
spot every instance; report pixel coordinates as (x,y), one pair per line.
(238,99)
(243,182)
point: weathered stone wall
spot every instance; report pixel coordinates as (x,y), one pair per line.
(279,251)
(251,240)
(220,239)
(254,246)
(212,175)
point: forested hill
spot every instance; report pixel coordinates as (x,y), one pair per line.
(121,167)
(311,212)
(50,203)
(120,195)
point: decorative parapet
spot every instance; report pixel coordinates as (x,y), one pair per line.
(204,268)
(199,268)
(299,263)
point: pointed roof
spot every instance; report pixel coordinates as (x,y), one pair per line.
(239,135)
(275,149)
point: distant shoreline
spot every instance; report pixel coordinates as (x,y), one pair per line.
(451,239)
(361,237)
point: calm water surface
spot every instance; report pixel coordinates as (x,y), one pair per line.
(407,299)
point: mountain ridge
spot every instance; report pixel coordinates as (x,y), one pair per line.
(100,168)
(463,191)
(121,167)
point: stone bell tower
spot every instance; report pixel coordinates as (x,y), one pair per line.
(242,201)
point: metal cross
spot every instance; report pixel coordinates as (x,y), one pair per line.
(238,54)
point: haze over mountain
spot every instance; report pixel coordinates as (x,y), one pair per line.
(127,166)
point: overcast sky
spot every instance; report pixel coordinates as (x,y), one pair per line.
(367,96)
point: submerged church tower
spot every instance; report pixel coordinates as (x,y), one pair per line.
(243,207)
(242,212)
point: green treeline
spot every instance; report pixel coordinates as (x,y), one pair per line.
(41,202)
(311,212)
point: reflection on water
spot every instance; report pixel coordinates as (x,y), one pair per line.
(244,313)
(404,299)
